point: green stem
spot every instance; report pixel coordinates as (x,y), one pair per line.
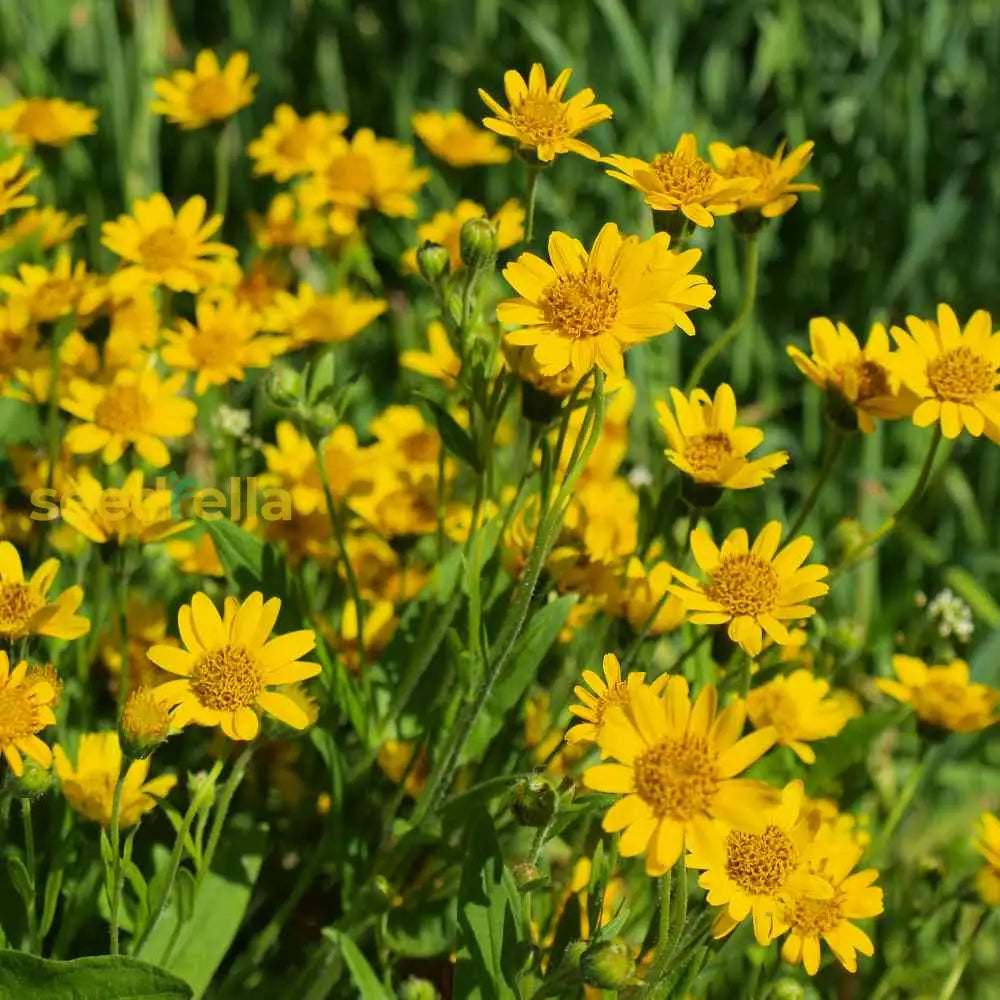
(121,605)
(31,903)
(822,477)
(746,672)
(116,855)
(902,803)
(962,960)
(222,144)
(531,191)
(222,809)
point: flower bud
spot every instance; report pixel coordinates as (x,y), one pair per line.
(847,536)
(433,262)
(418,989)
(323,417)
(144,725)
(283,386)
(533,801)
(33,782)
(608,964)
(525,874)
(788,989)
(477,242)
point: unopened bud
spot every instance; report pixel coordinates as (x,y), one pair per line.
(433,262)
(477,242)
(33,782)
(323,416)
(533,801)
(283,386)
(847,537)
(418,989)
(608,965)
(788,989)
(144,725)
(525,874)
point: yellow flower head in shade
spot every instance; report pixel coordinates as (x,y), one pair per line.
(47,121)
(33,368)
(53,293)
(681,181)
(676,770)
(288,223)
(942,695)
(706,443)
(586,308)
(647,594)
(451,137)
(396,759)
(13,181)
(952,372)
(135,409)
(46,227)
(801,708)
(753,589)
(861,376)
(160,247)
(290,144)
(775,192)
(199,557)
(145,723)
(89,785)
(210,94)
(988,844)
(25,710)
(312,317)
(833,825)
(538,118)
(440,361)
(380,626)
(227,665)
(25,608)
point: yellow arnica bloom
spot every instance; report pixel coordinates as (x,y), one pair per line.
(199,557)
(775,192)
(952,372)
(440,361)
(681,181)
(290,144)
(801,709)
(395,758)
(25,608)
(287,223)
(47,227)
(648,604)
(538,118)
(227,665)
(13,181)
(677,771)
(586,308)
(312,317)
(210,94)
(706,443)
(135,409)
(451,137)
(942,695)
(56,292)
(89,785)
(25,710)
(753,589)
(988,844)
(47,121)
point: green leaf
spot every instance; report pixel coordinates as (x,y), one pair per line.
(322,375)
(455,439)
(364,977)
(241,554)
(18,873)
(422,930)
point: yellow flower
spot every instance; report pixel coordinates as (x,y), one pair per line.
(408,441)
(25,710)
(755,590)
(441,362)
(48,227)
(942,695)
(446,228)
(198,557)
(952,372)
(539,119)
(33,369)
(682,181)
(135,409)
(396,758)
(801,708)
(378,569)
(451,137)
(47,121)
(380,626)
(159,247)
(51,294)
(89,785)
(774,193)
(145,626)
(134,332)
(988,844)
(290,144)
(145,723)
(647,593)
(586,308)
(228,664)
(706,443)
(25,608)
(321,317)
(288,223)
(13,182)
(833,825)
(210,94)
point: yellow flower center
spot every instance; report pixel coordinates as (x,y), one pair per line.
(617,694)
(18,603)
(421,447)
(211,98)
(163,249)
(50,300)
(813,917)
(873,380)
(144,720)
(678,778)
(18,714)
(39,121)
(213,348)
(760,863)
(226,679)
(295,143)
(748,163)
(686,178)
(961,375)
(581,305)
(541,118)
(706,453)
(123,410)
(351,172)
(745,584)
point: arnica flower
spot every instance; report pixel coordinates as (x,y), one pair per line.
(859,376)
(942,695)
(440,361)
(706,444)
(290,144)
(775,193)
(45,227)
(56,292)
(89,784)
(210,94)
(677,771)
(289,223)
(199,557)
(396,759)
(648,603)
(952,372)
(227,665)
(25,608)
(47,121)
(380,626)
(310,316)
(801,709)
(33,371)
(135,409)
(145,723)
(988,844)
(681,181)
(446,228)
(539,120)
(13,181)
(451,137)
(25,710)
(586,308)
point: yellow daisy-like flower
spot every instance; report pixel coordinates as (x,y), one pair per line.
(801,708)
(380,626)
(210,94)
(47,121)
(753,589)
(25,710)
(942,695)
(706,443)
(988,844)
(199,557)
(681,181)
(47,226)
(89,784)
(952,372)
(78,358)
(25,608)
(538,118)
(288,224)
(645,590)
(312,317)
(227,665)
(451,137)
(440,361)
(135,409)
(775,192)
(290,144)
(13,181)
(677,771)
(586,308)
(53,293)
(395,758)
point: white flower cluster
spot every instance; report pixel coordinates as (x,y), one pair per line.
(952,615)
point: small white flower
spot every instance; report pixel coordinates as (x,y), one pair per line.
(640,476)
(232,421)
